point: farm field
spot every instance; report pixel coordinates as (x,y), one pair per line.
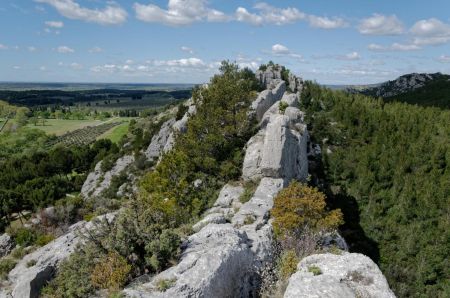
(116,133)
(59,127)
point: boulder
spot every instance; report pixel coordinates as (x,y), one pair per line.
(6,244)
(346,275)
(215,263)
(250,168)
(295,83)
(26,281)
(266,99)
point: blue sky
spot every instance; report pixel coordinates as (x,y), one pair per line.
(182,41)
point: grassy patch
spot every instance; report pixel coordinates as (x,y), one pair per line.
(164,284)
(61,126)
(115,134)
(314,270)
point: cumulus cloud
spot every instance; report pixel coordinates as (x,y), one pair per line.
(379,24)
(54,24)
(65,50)
(430,32)
(326,23)
(393,47)
(112,14)
(185,62)
(178,13)
(281,50)
(187,50)
(350,56)
(96,50)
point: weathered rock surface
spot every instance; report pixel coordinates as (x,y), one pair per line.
(342,276)
(159,140)
(266,77)
(266,99)
(180,126)
(25,281)
(97,181)
(6,244)
(295,83)
(214,264)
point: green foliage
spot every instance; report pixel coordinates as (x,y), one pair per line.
(389,172)
(182,109)
(18,253)
(44,239)
(6,265)
(299,207)
(249,190)
(31,263)
(287,264)
(164,284)
(111,272)
(314,270)
(24,236)
(282,106)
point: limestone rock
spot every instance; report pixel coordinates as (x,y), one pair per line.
(215,263)
(266,99)
(97,181)
(159,140)
(180,126)
(250,168)
(6,244)
(26,281)
(347,275)
(266,77)
(295,83)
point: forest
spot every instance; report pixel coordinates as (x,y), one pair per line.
(387,167)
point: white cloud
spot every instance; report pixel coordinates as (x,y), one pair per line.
(76,66)
(430,32)
(65,50)
(187,62)
(379,24)
(32,49)
(3,47)
(95,50)
(54,24)
(178,13)
(444,59)
(350,56)
(279,16)
(394,47)
(187,50)
(281,50)
(242,15)
(112,14)
(16,67)
(43,68)
(326,23)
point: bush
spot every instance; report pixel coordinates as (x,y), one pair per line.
(111,272)
(18,253)
(298,208)
(314,270)
(182,109)
(31,263)
(287,264)
(282,106)
(249,191)
(42,240)
(24,236)
(6,265)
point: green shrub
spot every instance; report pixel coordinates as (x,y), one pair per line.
(24,236)
(282,106)
(164,284)
(287,264)
(182,109)
(249,191)
(6,265)
(111,272)
(314,270)
(18,253)
(249,219)
(42,240)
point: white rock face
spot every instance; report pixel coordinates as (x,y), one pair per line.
(180,125)
(97,181)
(266,99)
(26,281)
(159,140)
(266,77)
(295,83)
(343,276)
(6,244)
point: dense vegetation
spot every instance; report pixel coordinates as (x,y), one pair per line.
(435,93)
(148,232)
(387,166)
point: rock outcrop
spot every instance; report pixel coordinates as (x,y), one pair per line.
(98,181)
(347,275)
(159,140)
(26,281)
(269,75)
(6,244)
(233,241)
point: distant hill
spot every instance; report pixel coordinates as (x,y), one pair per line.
(421,89)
